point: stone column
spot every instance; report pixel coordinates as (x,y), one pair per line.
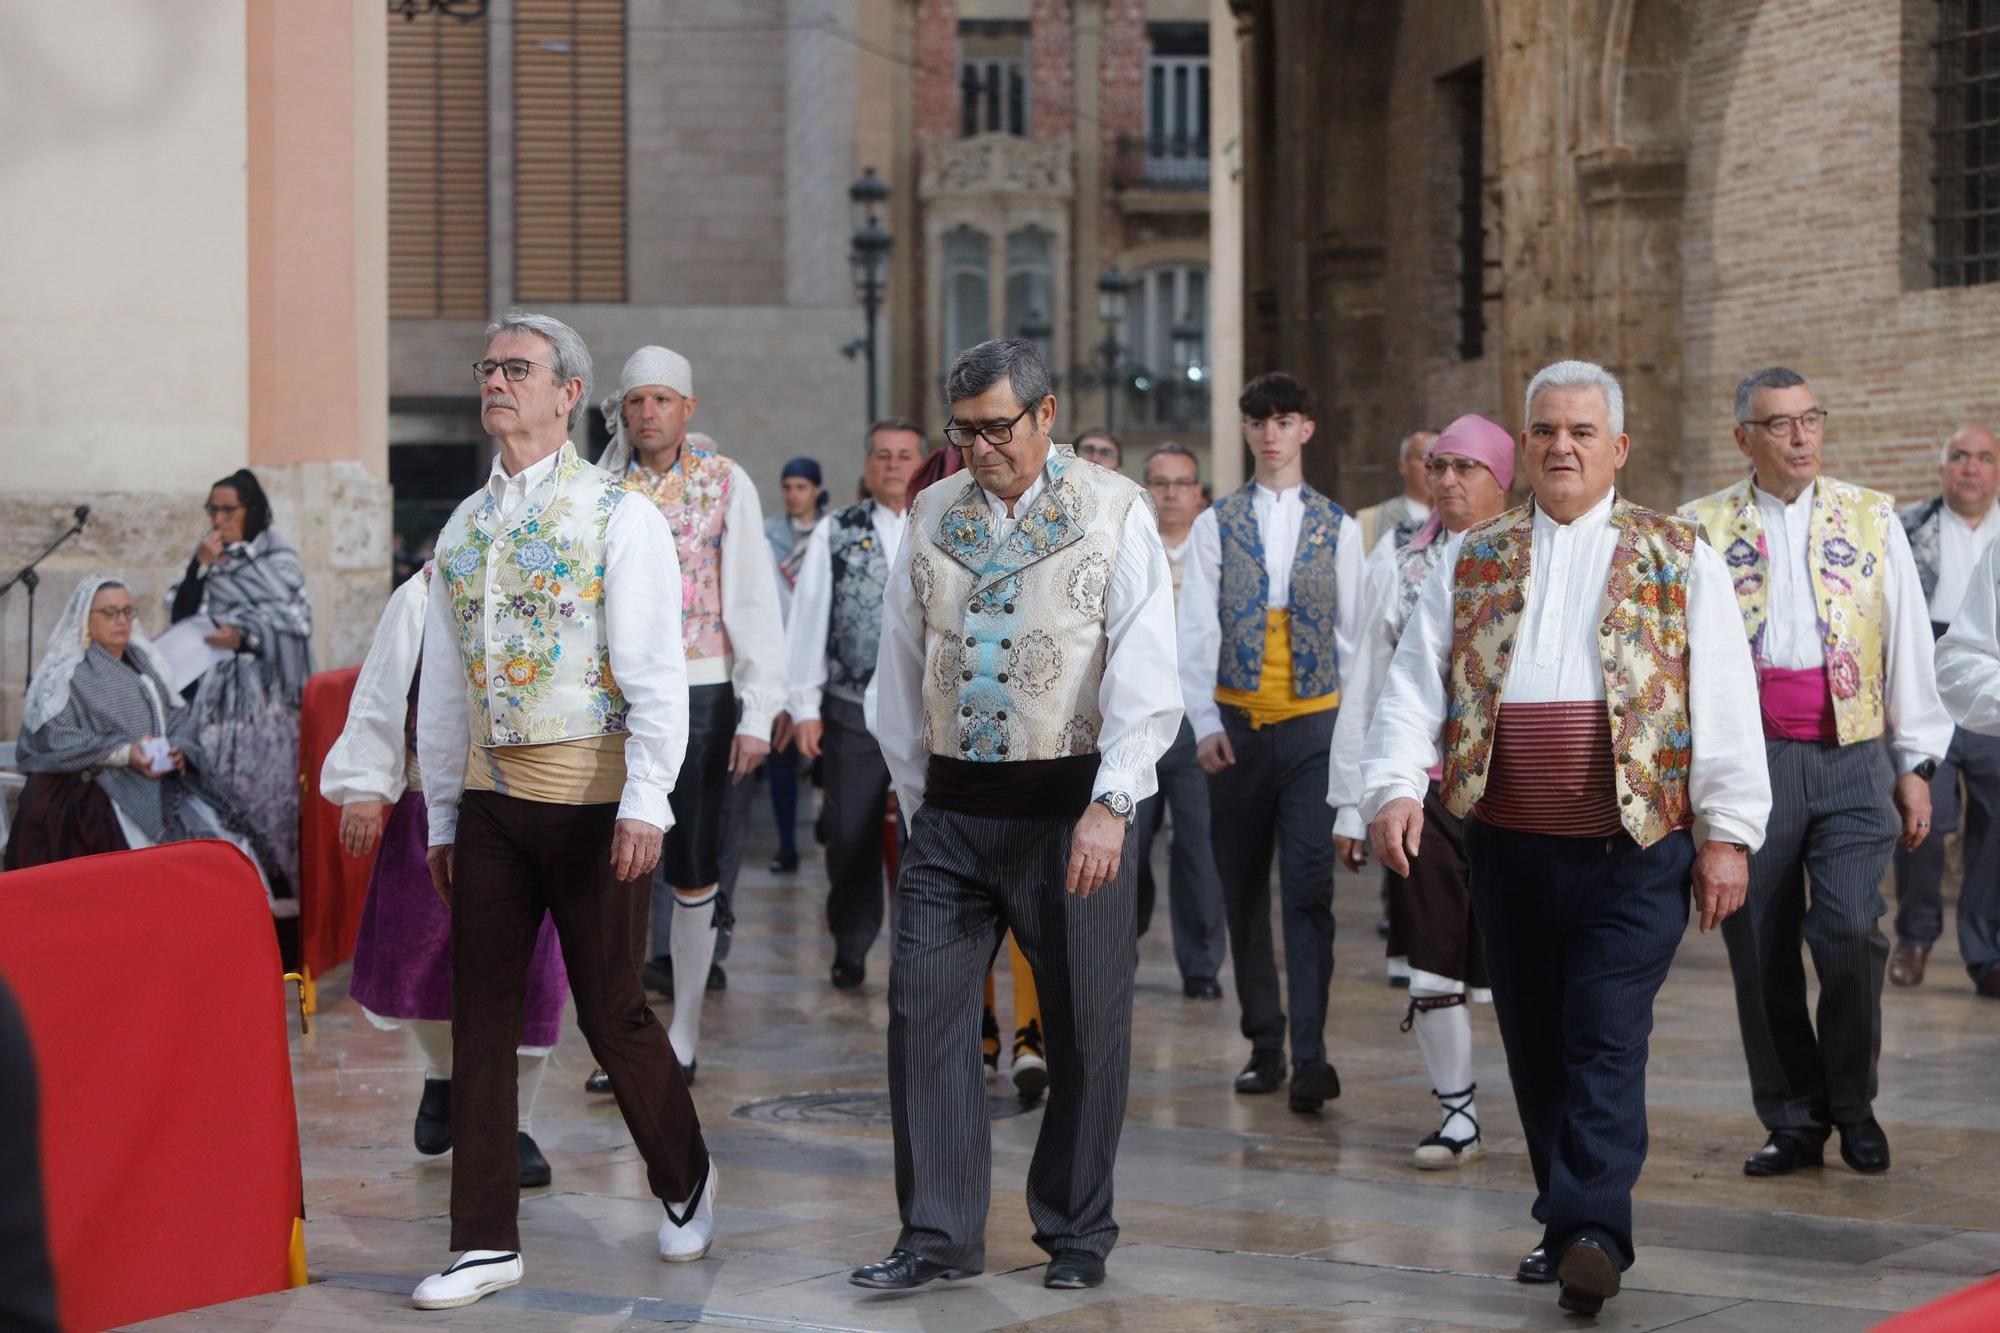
(1225,246)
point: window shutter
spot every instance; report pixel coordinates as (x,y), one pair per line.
(569,150)
(437,168)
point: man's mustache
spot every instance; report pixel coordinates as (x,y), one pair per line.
(499,400)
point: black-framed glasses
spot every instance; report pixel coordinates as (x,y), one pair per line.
(1781,427)
(514,368)
(964,437)
(1463,467)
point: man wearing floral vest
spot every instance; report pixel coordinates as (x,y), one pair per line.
(551,721)
(1577,667)
(1270,608)
(831,643)
(1837,622)
(733,632)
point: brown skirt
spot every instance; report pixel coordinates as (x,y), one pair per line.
(1430,915)
(62,815)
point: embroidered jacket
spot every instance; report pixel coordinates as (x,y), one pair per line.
(1921,522)
(694,497)
(1245,591)
(1013,629)
(1847,561)
(854,620)
(1642,637)
(529,599)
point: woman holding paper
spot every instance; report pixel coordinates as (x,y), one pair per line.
(104,744)
(250,583)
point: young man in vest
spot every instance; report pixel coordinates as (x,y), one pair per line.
(734,637)
(1836,621)
(551,721)
(1270,607)
(831,642)
(1577,666)
(1024,694)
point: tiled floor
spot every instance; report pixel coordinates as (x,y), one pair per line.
(1237,1214)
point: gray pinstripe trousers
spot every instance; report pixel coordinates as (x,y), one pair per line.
(964,880)
(1818,878)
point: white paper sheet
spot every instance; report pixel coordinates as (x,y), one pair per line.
(183,653)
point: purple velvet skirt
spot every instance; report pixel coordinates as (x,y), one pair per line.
(402,957)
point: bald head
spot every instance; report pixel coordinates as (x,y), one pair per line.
(1970,472)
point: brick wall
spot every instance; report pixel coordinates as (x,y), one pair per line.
(1121,107)
(1052,67)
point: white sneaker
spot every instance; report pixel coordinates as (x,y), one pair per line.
(474,1274)
(685,1240)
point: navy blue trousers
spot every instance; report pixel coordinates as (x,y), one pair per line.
(1579,933)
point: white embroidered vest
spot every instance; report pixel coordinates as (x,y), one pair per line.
(529,596)
(1014,628)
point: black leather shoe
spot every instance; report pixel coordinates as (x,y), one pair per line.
(848,976)
(434,1117)
(785,865)
(599,1081)
(658,974)
(717,978)
(687,1072)
(1535,1266)
(1073,1270)
(903,1270)
(534,1167)
(1865,1147)
(1589,1277)
(1785,1152)
(1314,1083)
(1202,988)
(1264,1073)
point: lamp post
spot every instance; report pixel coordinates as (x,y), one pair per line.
(1111,290)
(869,258)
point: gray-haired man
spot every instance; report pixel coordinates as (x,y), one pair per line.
(1413,506)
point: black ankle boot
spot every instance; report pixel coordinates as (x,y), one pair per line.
(434,1118)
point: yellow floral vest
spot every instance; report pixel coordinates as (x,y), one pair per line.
(1847,559)
(1643,638)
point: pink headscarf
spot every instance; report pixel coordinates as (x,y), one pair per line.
(1474,437)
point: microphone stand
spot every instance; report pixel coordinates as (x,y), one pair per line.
(31,580)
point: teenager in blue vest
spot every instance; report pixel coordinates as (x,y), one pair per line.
(1270,607)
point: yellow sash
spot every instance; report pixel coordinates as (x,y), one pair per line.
(1273,700)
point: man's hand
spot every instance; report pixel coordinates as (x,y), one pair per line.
(361,826)
(1094,850)
(1913,799)
(225,636)
(1396,834)
(439,860)
(808,735)
(745,753)
(782,731)
(1214,753)
(1353,852)
(635,848)
(1721,881)
(180,760)
(210,549)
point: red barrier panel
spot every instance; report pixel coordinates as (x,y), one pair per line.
(151,985)
(333,885)
(1976,1309)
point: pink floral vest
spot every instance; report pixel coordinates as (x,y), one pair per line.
(694,496)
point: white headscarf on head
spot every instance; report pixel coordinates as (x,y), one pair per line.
(48,692)
(648,365)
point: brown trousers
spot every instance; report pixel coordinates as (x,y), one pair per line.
(513,860)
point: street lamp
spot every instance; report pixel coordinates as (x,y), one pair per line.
(1111,290)
(869,259)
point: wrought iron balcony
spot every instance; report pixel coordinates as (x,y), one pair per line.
(1161,162)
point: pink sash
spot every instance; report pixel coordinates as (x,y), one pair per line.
(1797,705)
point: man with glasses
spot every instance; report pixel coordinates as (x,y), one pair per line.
(1840,633)
(1948,534)
(1024,695)
(1098,445)
(1401,514)
(1194,890)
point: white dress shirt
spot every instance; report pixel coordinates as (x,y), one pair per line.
(812,606)
(1968,656)
(1959,547)
(1279,514)
(1556,659)
(642,616)
(1361,679)
(367,763)
(1138,696)
(751,615)
(1917,722)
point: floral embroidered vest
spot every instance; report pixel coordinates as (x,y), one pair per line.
(854,627)
(1847,563)
(1246,589)
(1642,636)
(694,496)
(1013,628)
(529,598)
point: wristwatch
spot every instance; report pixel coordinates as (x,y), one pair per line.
(1117,802)
(1926,769)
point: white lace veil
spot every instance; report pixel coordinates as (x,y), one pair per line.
(48,692)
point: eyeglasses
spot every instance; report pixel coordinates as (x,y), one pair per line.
(1172,484)
(514,368)
(115,612)
(1781,427)
(217,511)
(964,437)
(1463,468)
(1094,452)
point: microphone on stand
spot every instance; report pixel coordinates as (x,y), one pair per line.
(82,515)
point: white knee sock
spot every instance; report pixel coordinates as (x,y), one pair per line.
(693,948)
(434,1040)
(1446,1038)
(527,1083)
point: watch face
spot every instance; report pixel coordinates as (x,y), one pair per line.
(1117,802)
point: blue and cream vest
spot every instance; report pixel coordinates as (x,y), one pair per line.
(1246,590)
(854,627)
